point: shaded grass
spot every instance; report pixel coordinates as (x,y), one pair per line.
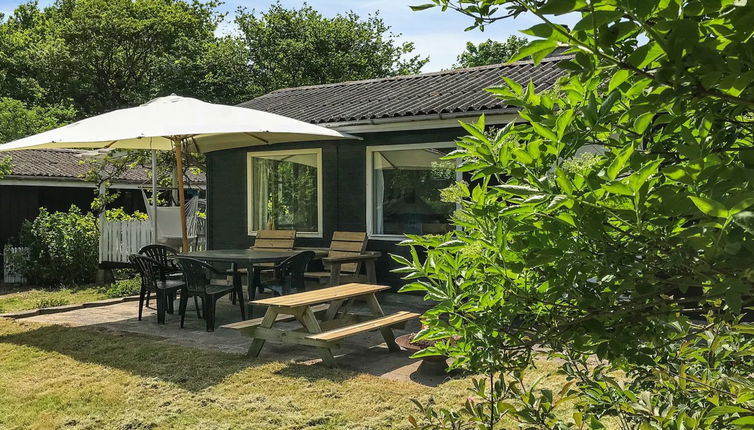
(84,378)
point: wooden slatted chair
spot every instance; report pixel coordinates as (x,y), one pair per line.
(289,274)
(344,260)
(275,240)
(267,240)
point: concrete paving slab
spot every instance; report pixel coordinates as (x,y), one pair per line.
(365,353)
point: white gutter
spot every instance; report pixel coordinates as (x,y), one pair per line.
(51,181)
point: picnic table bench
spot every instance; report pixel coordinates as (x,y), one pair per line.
(325,316)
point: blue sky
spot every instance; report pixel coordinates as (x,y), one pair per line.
(439,35)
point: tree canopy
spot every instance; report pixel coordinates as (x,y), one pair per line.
(612,230)
(489,52)
(296,47)
(100,55)
(79,58)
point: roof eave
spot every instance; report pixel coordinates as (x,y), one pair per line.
(419,118)
(79,182)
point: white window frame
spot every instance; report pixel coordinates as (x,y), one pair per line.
(370,179)
(250,188)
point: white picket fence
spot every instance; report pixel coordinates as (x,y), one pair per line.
(119,239)
(10,272)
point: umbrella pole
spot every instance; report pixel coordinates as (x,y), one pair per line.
(181,193)
(154,196)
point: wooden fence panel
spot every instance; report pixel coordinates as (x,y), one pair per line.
(119,239)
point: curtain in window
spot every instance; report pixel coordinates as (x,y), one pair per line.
(261,203)
(284,192)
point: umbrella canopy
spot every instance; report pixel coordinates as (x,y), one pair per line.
(157,125)
(167,123)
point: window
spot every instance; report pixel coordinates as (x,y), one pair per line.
(285,191)
(403,188)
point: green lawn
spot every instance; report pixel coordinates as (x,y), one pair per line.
(62,377)
(19,299)
(14,299)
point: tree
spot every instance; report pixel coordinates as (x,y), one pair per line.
(220,75)
(17,120)
(102,55)
(102,170)
(6,168)
(95,56)
(612,231)
(490,52)
(98,55)
(296,47)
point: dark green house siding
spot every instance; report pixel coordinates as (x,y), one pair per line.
(344,191)
(19,203)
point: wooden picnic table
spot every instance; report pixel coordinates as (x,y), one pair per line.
(325,316)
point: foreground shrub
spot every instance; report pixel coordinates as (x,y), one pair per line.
(632,265)
(63,248)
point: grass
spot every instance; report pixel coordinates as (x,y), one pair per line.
(14,299)
(19,299)
(83,378)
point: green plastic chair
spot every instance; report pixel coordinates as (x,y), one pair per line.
(153,280)
(204,281)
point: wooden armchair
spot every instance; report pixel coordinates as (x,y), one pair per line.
(272,240)
(275,240)
(344,260)
(268,240)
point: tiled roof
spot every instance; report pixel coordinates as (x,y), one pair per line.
(66,164)
(450,91)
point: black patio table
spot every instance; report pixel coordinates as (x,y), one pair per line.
(249,257)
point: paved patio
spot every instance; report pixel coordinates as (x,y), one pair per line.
(365,353)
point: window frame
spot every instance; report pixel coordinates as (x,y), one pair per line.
(370,150)
(250,188)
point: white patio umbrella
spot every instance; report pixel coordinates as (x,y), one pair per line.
(167,123)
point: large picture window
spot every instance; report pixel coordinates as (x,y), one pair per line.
(404,189)
(285,191)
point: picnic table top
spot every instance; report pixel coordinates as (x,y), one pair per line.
(249,254)
(322,295)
